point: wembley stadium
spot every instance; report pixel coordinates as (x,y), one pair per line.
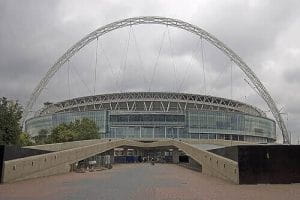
(216,135)
(158,115)
(150,115)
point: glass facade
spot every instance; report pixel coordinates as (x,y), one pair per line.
(99,117)
(230,123)
(188,125)
(145,119)
(34,125)
(145,125)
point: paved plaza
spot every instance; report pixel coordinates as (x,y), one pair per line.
(142,181)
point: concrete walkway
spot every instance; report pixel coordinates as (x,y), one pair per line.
(142,181)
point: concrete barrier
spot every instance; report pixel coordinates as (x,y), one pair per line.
(75,144)
(65,145)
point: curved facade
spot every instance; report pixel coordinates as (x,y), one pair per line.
(153,115)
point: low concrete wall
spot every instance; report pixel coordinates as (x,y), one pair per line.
(60,169)
(60,161)
(212,164)
(19,169)
(75,144)
(65,145)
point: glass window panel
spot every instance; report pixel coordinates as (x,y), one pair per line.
(147,132)
(159,132)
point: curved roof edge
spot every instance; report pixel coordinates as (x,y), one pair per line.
(162,100)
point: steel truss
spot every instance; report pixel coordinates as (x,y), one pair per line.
(150,101)
(169,22)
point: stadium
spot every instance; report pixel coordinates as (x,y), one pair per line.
(157,115)
(151,115)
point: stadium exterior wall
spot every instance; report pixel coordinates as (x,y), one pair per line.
(148,123)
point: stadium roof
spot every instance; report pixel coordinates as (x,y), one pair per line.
(150,101)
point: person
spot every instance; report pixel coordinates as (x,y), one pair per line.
(91,165)
(152,161)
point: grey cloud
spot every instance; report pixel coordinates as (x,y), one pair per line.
(293,76)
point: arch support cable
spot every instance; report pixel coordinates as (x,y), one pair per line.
(69,89)
(145,79)
(230,79)
(173,60)
(156,61)
(105,57)
(95,69)
(203,65)
(124,67)
(185,76)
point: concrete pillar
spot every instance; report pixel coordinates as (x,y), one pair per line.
(125,152)
(111,153)
(175,156)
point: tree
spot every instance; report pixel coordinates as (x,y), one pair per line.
(62,133)
(24,139)
(84,129)
(10,115)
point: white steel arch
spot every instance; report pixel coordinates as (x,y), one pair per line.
(169,22)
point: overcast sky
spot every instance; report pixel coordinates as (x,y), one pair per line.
(265,34)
